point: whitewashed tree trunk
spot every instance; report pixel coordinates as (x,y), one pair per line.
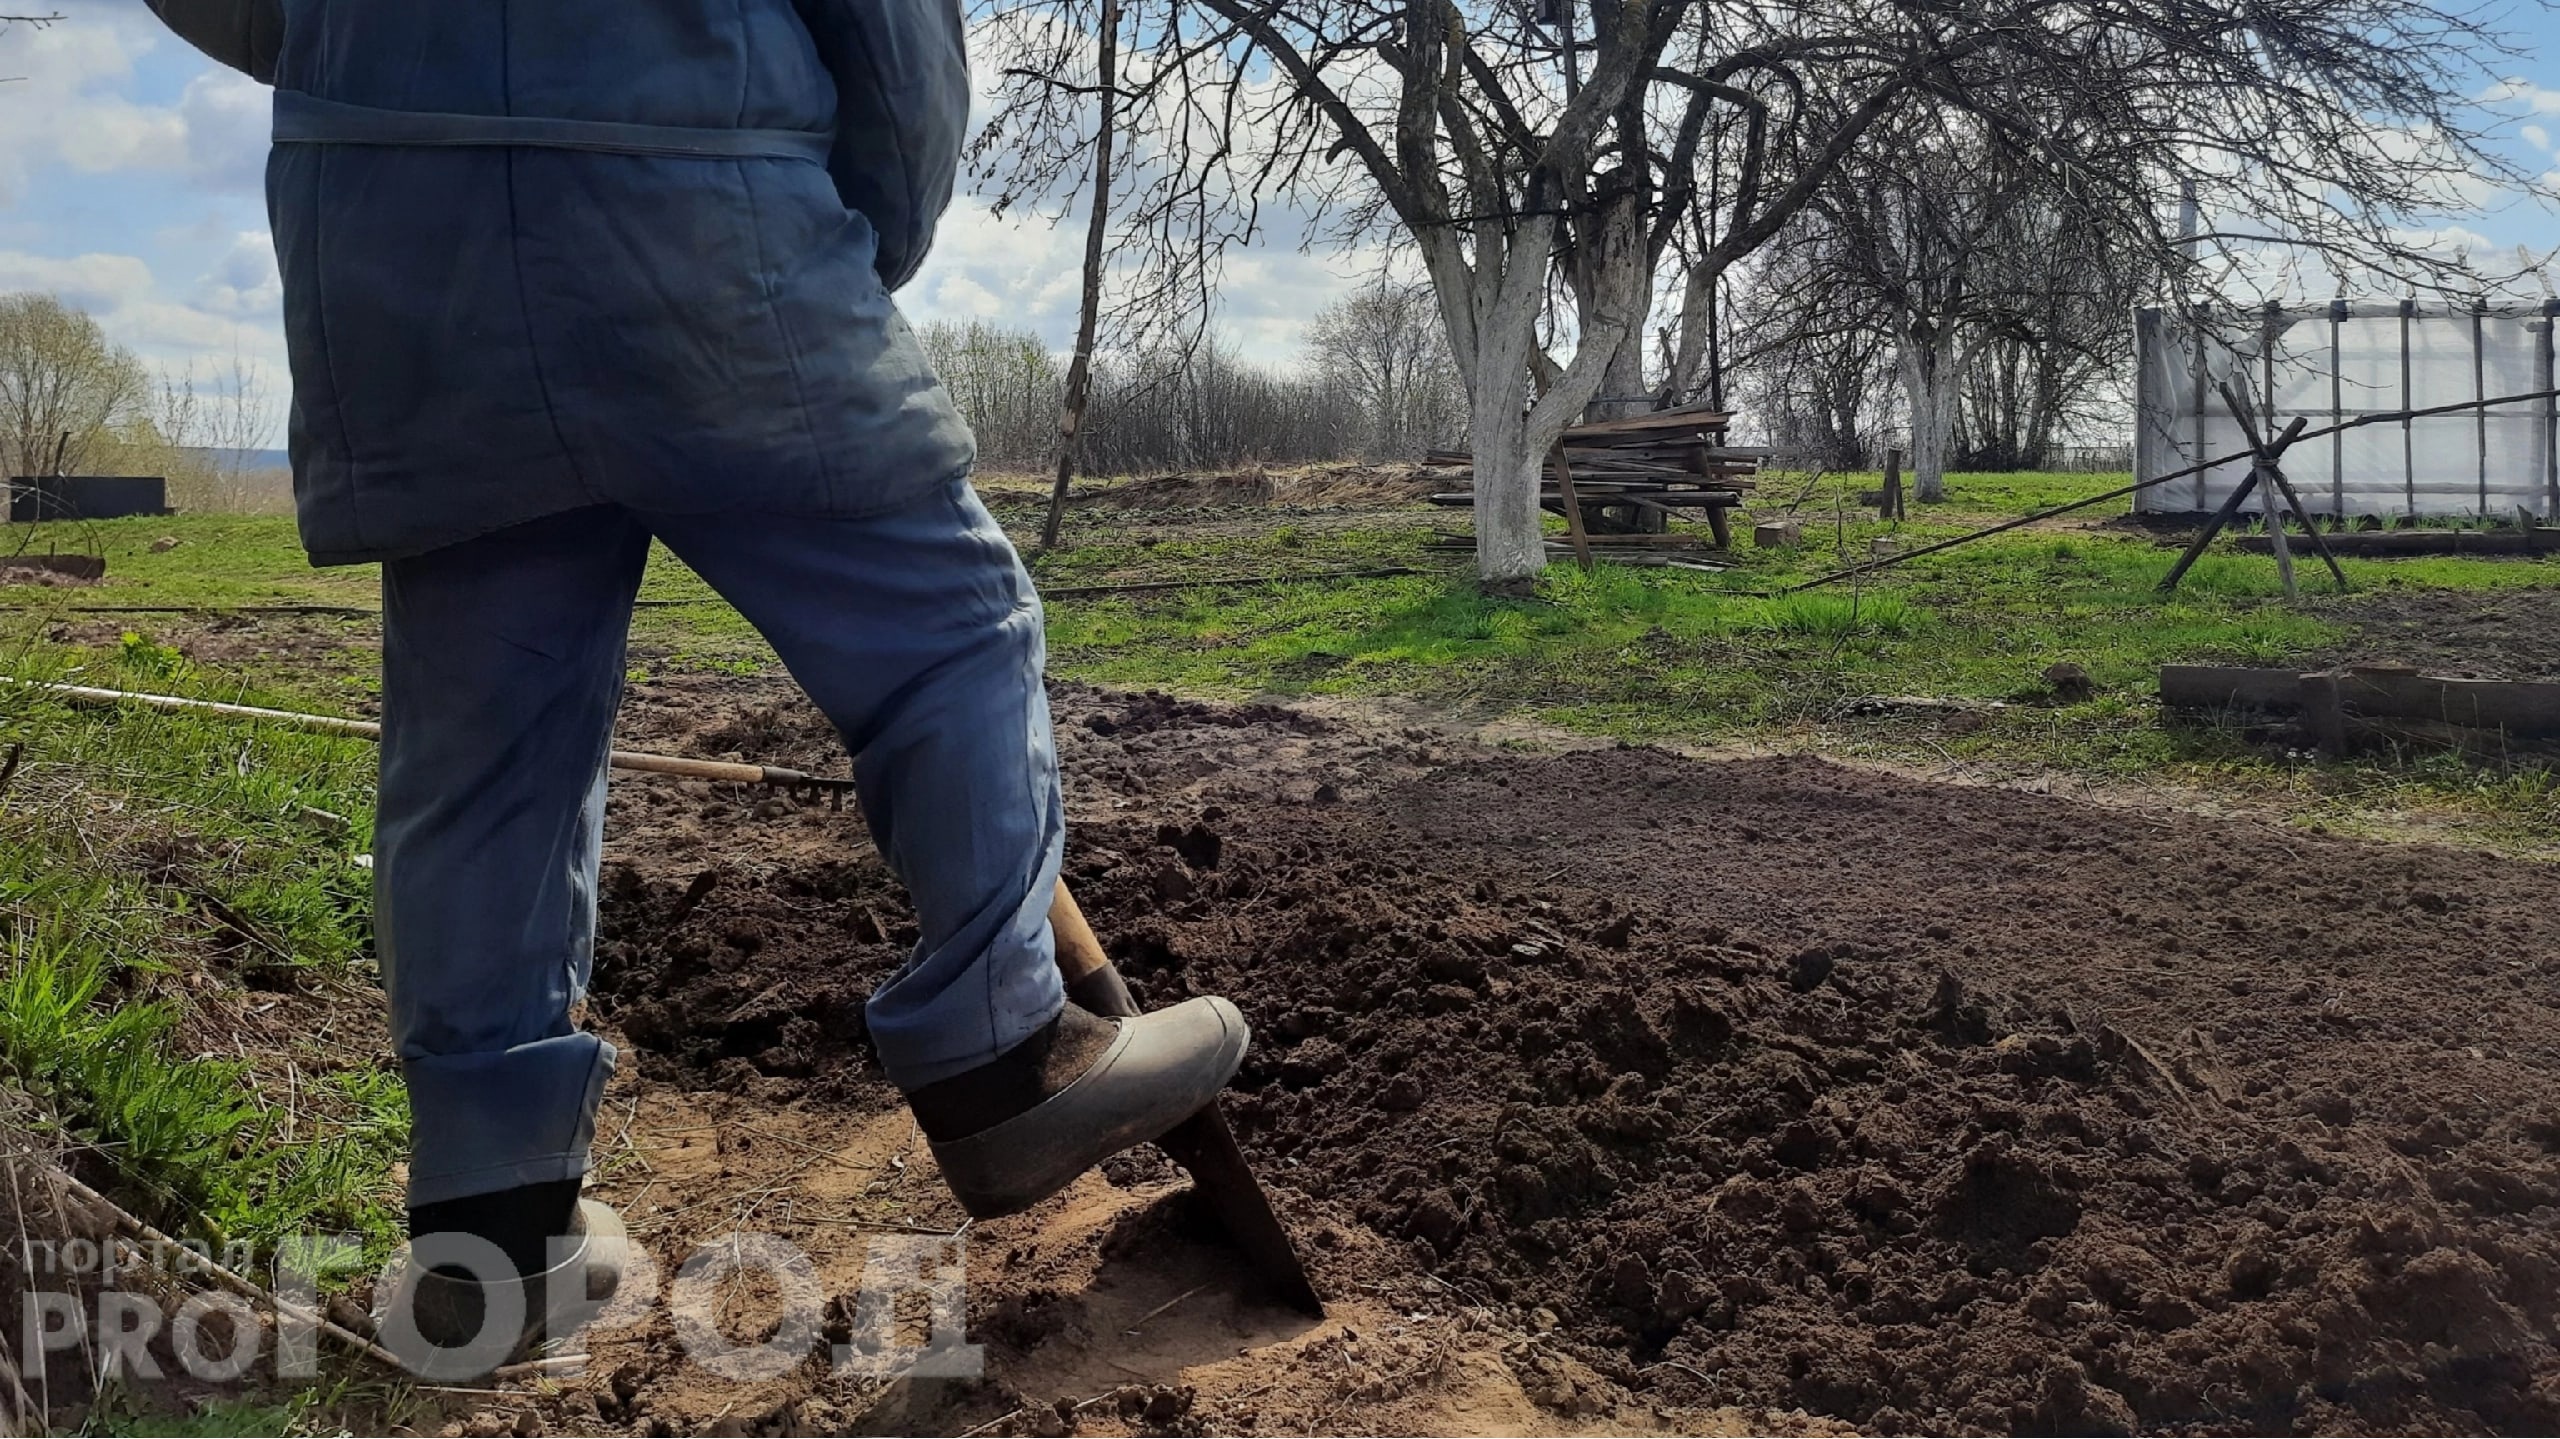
(1931,374)
(1489,298)
(1510,549)
(1510,461)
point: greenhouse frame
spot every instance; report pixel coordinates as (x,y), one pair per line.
(2349,360)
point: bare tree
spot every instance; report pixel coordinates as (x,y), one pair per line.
(1200,405)
(2054,359)
(1097,232)
(1512,145)
(1183,405)
(1384,342)
(1006,382)
(64,386)
(1519,147)
(204,432)
(2046,165)
(1912,227)
(1814,366)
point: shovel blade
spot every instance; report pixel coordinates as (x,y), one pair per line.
(1204,1145)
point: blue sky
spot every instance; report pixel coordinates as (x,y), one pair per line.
(130,184)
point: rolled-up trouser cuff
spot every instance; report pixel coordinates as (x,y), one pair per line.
(480,1123)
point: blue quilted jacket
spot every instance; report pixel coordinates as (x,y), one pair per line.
(541,254)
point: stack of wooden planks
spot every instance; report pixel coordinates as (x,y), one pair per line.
(1630,477)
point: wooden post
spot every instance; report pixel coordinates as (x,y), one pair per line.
(2272,504)
(2338,409)
(2268,456)
(2325,710)
(1097,227)
(2311,532)
(2480,391)
(2408,425)
(2271,328)
(2196,547)
(2269,472)
(1891,506)
(1572,511)
(2547,378)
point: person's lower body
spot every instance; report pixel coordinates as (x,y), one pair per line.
(918,634)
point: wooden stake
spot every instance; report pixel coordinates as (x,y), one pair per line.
(1572,511)
(2272,505)
(2277,484)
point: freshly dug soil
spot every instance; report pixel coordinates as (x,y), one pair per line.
(1770,1083)
(2496,634)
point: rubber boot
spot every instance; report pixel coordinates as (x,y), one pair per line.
(461,1310)
(1147,1074)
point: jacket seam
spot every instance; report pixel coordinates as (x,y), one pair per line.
(533,347)
(329,355)
(906,186)
(765,283)
(515,256)
(746,61)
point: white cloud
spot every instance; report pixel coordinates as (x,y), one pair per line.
(243,283)
(233,312)
(99,284)
(75,107)
(1020,272)
(226,117)
(2537,137)
(66,109)
(2526,96)
(957,296)
(113,134)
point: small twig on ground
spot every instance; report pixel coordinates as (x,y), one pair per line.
(1159,1309)
(1105,1397)
(246,1288)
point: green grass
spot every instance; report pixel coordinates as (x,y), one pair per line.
(1675,652)
(160,874)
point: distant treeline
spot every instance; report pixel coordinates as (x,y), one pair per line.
(1375,384)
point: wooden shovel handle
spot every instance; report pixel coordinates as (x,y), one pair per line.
(1080,953)
(1201,1144)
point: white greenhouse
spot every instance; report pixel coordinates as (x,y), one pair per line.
(2336,362)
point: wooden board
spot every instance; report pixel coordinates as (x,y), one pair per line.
(2518,707)
(2540,540)
(2203,687)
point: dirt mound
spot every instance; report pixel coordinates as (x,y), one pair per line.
(2505,634)
(43,577)
(1917,1108)
(1783,1084)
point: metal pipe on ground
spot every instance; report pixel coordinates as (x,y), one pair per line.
(637,762)
(2138,486)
